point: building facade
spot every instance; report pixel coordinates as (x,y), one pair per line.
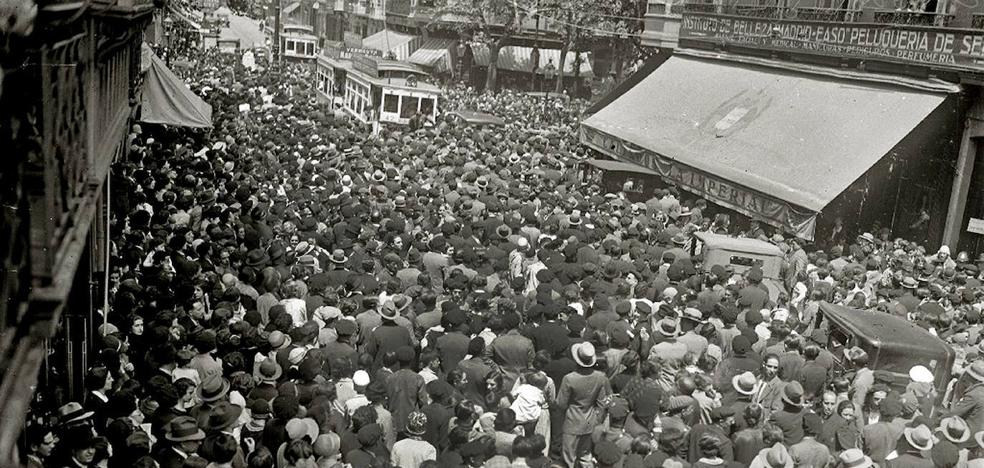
(67,110)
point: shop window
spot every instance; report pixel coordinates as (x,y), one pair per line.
(391,103)
(426,107)
(409,106)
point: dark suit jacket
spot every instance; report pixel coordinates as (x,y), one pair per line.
(452,348)
(551,336)
(168,458)
(791,424)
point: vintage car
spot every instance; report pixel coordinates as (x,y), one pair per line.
(893,344)
(741,254)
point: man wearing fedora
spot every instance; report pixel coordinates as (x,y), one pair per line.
(669,353)
(790,417)
(912,446)
(389,336)
(744,388)
(583,394)
(970,407)
(184,437)
(951,441)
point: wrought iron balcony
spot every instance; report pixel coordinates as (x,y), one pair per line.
(918,18)
(828,14)
(977,21)
(770,12)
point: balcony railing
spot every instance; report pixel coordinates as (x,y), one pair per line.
(701,8)
(770,12)
(913,17)
(828,14)
(977,21)
(833,15)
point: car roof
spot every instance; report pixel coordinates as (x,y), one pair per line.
(740,244)
(886,331)
(479,118)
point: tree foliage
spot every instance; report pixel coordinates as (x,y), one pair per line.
(488,22)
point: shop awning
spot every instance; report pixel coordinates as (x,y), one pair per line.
(774,144)
(386,41)
(520,59)
(434,53)
(167,101)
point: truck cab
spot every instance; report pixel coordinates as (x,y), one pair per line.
(742,254)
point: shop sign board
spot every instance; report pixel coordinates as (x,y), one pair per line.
(958,49)
(975,225)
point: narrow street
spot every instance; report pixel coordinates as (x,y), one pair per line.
(246,29)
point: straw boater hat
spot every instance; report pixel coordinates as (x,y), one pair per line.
(919,437)
(667,327)
(746,383)
(72,412)
(866,237)
(338,257)
(954,429)
(855,458)
(584,354)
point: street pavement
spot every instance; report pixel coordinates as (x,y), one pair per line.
(246,29)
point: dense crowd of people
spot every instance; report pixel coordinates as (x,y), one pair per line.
(290,289)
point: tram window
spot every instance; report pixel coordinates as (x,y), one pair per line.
(391,103)
(426,106)
(408,107)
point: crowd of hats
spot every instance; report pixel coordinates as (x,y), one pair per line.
(253,263)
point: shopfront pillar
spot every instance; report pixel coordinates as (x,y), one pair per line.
(964,171)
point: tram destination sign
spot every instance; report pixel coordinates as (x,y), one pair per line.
(939,47)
